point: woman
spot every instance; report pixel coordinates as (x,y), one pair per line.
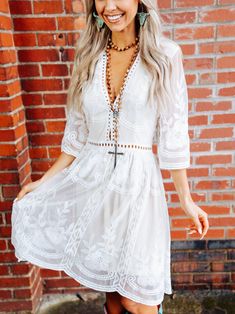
(100,213)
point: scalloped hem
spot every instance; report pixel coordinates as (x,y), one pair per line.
(89,284)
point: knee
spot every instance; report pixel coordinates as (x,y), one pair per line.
(113,303)
(129,305)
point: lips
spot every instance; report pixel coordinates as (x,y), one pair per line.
(114,18)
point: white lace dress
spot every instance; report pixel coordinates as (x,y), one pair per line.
(106,227)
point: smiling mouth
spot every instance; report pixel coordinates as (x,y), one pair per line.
(114,18)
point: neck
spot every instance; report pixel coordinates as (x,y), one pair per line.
(124,37)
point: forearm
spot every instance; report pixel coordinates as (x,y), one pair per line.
(63,161)
(179,177)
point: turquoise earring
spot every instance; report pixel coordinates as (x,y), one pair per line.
(99,21)
(142,16)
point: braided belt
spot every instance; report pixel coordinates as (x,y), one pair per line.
(121,145)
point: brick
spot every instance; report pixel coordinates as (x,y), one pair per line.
(218,277)
(16,306)
(216,132)
(227,91)
(29,70)
(35,127)
(219,171)
(54,99)
(32,99)
(5,23)
(61,282)
(45,140)
(24,40)
(213,184)
(179,256)
(6,40)
(4,6)
(199,92)
(34,24)
(216,47)
(200,147)
(216,15)
(222,196)
(65,23)
(77,6)
(183,17)
(45,7)
(226,77)
(45,113)
(195,33)
(38,55)
(5,294)
(231,254)
(221,244)
(213,159)
(55,126)
(41,85)
(231,232)
(226,62)
(193,3)
(20,7)
(38,153)
(226,30)
(54,70)
(207,255)
(189,266)
(188,245)
(22,294)
(221,267)
(215,106)
(20,269)
(182,278)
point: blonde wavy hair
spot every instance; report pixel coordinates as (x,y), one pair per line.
(92,42)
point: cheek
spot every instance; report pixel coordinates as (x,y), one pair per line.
(99,7)
(130,13)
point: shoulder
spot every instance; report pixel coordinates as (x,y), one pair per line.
(170,47)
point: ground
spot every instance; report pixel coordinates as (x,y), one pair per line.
(182,302)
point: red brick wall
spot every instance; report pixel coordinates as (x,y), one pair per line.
(205,31)
(36,58)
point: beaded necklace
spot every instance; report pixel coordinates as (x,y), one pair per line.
(116,109)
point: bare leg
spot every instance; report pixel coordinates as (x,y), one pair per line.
(113,303)
(138,308)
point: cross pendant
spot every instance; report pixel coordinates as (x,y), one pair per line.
(115,153)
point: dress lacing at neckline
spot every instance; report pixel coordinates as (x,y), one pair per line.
(130,74)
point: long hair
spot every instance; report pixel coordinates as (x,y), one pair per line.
(92,42)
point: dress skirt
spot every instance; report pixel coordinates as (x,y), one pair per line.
(108,228)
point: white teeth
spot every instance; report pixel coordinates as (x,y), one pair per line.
(114,17)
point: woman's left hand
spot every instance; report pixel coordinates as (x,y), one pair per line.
(200,219)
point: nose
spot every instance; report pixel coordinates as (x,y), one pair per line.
(110,5)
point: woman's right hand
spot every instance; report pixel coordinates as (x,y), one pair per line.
(29,187)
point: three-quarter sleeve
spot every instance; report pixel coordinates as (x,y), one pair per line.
(75,133)
(172,129)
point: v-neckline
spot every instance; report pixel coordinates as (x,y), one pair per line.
(104,86)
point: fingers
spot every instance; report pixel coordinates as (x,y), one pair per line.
(198,225)
(201,224)
(22,192)
(205,225)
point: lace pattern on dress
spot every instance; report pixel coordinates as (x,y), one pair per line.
(75,133)
(172,130)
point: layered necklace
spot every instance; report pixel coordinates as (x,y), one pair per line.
(116,109)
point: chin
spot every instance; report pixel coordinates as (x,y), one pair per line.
(117,28)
